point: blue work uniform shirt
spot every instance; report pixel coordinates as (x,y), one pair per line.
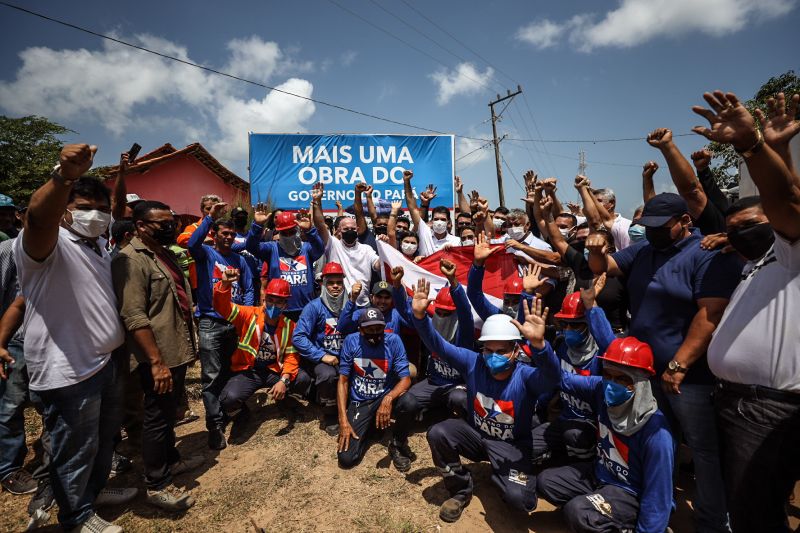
(372,370)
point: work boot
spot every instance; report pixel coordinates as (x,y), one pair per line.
(115,496)
(19,482)
(216,439)
(451,510)
(170,498)
(186,464)
(401,458)
(95,524)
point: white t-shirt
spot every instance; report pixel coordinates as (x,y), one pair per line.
(531,240)
(620,232)
(357,262)
(71,318)
(757,341)
(430,243)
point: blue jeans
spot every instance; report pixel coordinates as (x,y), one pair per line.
(82,420)
(218,341)
(693,412)
(13,395)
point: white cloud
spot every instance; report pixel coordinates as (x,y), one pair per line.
(464,79)
(347,58)
(637,21)
(113,85)
(470,152)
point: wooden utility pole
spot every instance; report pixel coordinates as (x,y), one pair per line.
(497,142)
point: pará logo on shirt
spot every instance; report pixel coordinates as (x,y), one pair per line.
(294,270)
(494,417)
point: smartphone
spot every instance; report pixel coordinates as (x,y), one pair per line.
(133,152)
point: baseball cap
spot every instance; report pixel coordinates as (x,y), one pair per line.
(372,316)
(381,286)
(132,199)
(237,210)
(661,208)
(6,201)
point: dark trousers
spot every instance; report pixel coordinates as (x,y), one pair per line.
(218,341)
(82,420)
(325,377)
(510,461)
(588,505)
(759,440)
(574,438)
(423,395)
(243,385)
(361,416)
(158,428)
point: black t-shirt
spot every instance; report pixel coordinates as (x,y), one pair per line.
(711,220)
(613,299)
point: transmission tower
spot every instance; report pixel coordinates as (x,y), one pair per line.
(581,162)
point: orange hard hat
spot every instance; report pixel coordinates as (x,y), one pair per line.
(630,351)
(285,220)
(278,287)
(513,285)
(444,300)
(572,308)
(332,268)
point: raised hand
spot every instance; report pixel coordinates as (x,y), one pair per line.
(360,188)
(701,159)
(596,243)
(339,205)
(474,196)
(420,301)
(396,206)
(730,121)
(533,327)
(589,295)
(482,249)
(356,291)
(582,181)
(546,205)
(316,192)
(75,160)
(230,276)
(530,179)
(458,184)
(659,138)
(260,214)
(218,210)
(575,209)
(428,194)
(369,190)
(407,175)
(531,280)
(483,205)
(550,185)
(780,124)
(448,270)
(304,220)
(649,169)
(124,161)
(397,276)
(511,243)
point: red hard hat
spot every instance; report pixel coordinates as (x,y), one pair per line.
(285,220)
(572,308)
(513,285)
(630,351)
(444,300)
(332,268)
(279,287)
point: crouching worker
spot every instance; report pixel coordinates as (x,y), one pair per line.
(373,374)
(629,487)
(501,399)
(264,357)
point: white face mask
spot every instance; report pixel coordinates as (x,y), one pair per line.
(408,248)
(498,223)
(468,242)
(516,232)
(564,232)
(90,224)
(439,226)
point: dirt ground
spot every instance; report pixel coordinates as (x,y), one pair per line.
(279,473)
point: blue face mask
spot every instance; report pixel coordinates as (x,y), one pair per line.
(586,253)
(615,394)
(574,338)
(636,233)
(497,363)
(272,311)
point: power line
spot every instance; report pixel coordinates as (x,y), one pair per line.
(473,151)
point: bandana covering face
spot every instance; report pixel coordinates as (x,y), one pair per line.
(630,416)
(446,326)
(582,352)
(334,304)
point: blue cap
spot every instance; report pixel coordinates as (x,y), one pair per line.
(6,201)
(371,316)
(661,208)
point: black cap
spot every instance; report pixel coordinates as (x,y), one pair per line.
(237,210)
(661,208)
(381,286)
(371,316)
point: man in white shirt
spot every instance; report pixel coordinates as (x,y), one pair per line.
(619,230)
(521,242)
(357,260)
(437,236)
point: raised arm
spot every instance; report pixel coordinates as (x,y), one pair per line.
(648,188)
(411,202)
(550,186)
(316,212)
(253,242)
(371,211)
(557,240)
(391,228)
(780,125)
(48,203)
(358,206)
(119,200)
(466,322)
(463,203)
(425,199)
(599,259)
(680,171)
(599,326)
(778,186)
(582,184)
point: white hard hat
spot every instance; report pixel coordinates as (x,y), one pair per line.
(499,328)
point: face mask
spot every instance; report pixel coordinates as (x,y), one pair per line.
(578,246)
(439,226)
(374,338)
(636,233)
(468,242)
(90,224)
(381,230)
(497,363)
(290,243)
(408,248)
(659,238)
(615,394)
(753,241)
(516,232)
(498,223)
(564,232)
(272,311)
(574,338)
(349,236)
(165,235)
(586,253)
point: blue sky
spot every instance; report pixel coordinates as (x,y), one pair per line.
(589,70)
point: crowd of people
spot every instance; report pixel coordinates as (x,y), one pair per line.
(618,341)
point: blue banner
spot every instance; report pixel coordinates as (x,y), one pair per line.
(284,167)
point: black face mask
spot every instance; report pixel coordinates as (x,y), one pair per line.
(165,234)
(578,246)
(753,241)
(374,338)
(240,221)
(349,236)
(381,230)
(659,238)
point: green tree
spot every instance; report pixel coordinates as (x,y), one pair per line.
(29,148)
(726,169)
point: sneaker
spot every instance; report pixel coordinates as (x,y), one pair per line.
(44,498)
(38,519)
(19,482)
(400,460)
(119,464)
(451,510)
(95,524)
(170,498)
(216,440)
(186,464)
(115,496)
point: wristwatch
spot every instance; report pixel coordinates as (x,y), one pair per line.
(56,175)
(675,366)
(285,380)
